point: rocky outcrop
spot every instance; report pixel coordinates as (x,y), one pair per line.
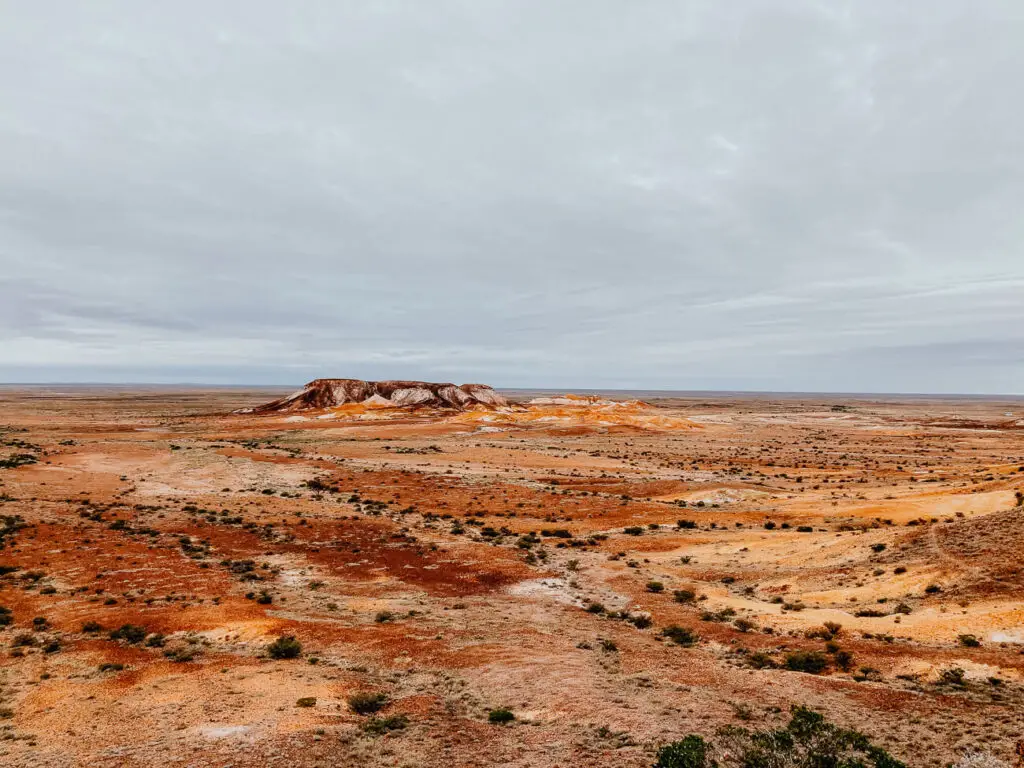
(331,393)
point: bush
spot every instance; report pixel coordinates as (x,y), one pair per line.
(691,752)
(655,586)
(130,633)
(761,660)
(92,626)
(633,530)
(808,741)
(286,647)
(6,617)
(969,641)
(811,662)
(500,716)
(367,703)
(381,725)
(744,625)
(681,635)
(684,595)
(306,702)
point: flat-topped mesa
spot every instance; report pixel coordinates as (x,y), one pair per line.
(331,393)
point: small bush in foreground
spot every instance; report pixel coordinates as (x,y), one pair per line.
(811,662)
(286,647)
(691,752)
(378,726)
(367,703)
(130,633)
(808,741)
(500,716)
(681,635)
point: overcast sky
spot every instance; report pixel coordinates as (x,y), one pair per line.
(801,195)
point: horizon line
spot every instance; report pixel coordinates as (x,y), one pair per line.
(586,389)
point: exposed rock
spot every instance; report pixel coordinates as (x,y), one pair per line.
(331,393)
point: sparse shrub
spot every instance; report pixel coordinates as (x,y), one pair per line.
(306,702)
(500,716)
(844,660)
(932,589)
(684,595)
(639,620)
(681,635)
(6,616)
(378,726)
(808,741)
(91,627)
(383,617)
(744,625)
(969,641)
(130,633)
(286,647)
(181,655)
(953,676)
(633,530)
(655,586)
(761,660)
(811,662)
(691,752)
(595,608)
(365,703)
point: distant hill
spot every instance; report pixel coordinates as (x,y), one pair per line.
(330,393)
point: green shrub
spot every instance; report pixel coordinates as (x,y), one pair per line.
(969,641)
(655,586)
(684,595)
(808,741)
(381,725)
(681,635)
(130,633)
(286,647)
(306,702)
(811,662)
(761,660)
(500,716)
(691,752)
(367,703)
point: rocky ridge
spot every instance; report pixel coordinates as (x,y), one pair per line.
(331,393)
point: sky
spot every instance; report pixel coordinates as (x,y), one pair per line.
(782,195)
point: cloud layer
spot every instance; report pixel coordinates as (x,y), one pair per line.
(686,195)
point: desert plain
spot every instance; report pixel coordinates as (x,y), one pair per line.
(574,583)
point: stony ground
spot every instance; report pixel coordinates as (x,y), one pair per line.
(458,566)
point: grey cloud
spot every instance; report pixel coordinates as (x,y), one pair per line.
(766,194)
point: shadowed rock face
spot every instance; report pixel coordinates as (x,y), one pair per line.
(329,393)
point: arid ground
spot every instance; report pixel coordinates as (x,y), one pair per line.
(614,578)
